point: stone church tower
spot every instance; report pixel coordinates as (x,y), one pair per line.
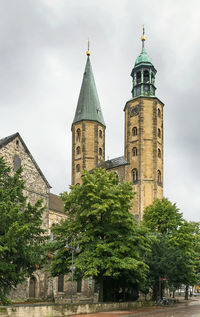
(142,162)
(88,128)
(144,135)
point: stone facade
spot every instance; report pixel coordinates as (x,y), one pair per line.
(144,150)
(88,147)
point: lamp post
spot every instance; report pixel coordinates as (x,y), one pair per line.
(73,248)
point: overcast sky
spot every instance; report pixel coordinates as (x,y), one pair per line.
(42,59)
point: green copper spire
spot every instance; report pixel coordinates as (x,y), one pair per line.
(143,58)
(88,107)
(143,74)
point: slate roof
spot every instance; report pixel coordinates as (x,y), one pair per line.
(88,107)
(10,138)
(118,161)
(55,203)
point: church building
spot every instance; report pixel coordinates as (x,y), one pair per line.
(142,161)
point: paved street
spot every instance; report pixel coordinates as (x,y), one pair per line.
(190,309)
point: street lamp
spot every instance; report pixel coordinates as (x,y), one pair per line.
(73,248)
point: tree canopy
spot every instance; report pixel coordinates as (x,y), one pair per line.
(175,245)
(111,242)
(21,234)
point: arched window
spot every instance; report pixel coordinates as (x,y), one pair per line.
(135,175)
(78,168)
(134,131)
(100,152)
(159,176)
(17,144)
(100,134)
(16,163)
(78,150)
(78,135)
(60,283)
(146,76)
(138,77)
(134,151)
(159,133)
(158,112)
(159,153)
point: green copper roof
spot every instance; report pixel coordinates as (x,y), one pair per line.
(88,107)
(143,58)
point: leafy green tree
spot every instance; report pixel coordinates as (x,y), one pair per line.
(21,235)
(174,247)
(111,243)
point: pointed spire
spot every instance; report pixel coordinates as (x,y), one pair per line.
(143,57)
(88,107)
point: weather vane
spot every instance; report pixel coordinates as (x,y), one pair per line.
(88,48)
(143,38)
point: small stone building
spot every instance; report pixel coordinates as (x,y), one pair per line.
(40,285)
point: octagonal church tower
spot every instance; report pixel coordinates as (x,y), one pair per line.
(88,128)
(144,135)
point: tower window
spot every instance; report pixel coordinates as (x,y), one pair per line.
(78,150)
(135,175)
(78,135)
(153,79)
(159,133)
(159,153)
(134,151)
(17,144)
(158,112)
(16,163)
(138,77)
(100,134)
(134,131)
(159,176)
(78,168)
(100,152)
(146,76)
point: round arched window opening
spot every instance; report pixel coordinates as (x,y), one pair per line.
(159,176)
(134,131)
(134,151)
(78,135)
(16,163)
(78,168)
(78,150)
(135,175)
(159,133)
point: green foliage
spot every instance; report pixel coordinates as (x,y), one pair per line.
(111,242)
(175,246)
(21,235)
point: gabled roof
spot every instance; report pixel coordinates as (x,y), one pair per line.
(8,139)
(118,161)
(88,107)
(56,203)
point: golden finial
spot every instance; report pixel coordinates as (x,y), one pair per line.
(88,50)
(143,38)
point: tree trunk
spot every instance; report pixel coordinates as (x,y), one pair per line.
(173,293)
(101,289)
(186,292)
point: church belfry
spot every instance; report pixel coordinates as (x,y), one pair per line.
(144,135)
(88,127)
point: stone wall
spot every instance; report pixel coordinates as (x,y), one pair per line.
(65,310)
